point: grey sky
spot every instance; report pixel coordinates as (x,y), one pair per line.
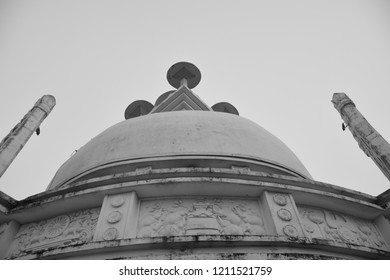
(277,62)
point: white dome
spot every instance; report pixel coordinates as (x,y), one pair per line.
(203,133)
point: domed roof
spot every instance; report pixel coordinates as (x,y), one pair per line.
(178,133)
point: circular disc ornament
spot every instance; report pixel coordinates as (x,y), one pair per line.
(290,231)
(225,107)
(110,234)
(114,217)
(138,108)
(183,70)
(284,214)
(56,226)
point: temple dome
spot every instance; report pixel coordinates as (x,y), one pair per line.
(180,133)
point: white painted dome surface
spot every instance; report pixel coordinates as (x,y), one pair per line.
(179,133)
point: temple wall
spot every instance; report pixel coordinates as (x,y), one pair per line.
(212,227)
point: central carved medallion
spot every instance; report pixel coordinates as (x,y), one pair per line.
(56,226)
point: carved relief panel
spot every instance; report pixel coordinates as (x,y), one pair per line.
(283,213)
(208,216)
(117,217)
(331,225)
(64,230)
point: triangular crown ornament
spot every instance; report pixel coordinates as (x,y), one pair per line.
(181,99)
(183,76)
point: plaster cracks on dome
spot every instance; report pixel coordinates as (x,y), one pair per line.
(331,225)
(202,216)
(64,230)
(207,135)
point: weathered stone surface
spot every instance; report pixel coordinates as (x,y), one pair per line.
(176,134)
(331,225)
(369,140)
(19,135)
(64,230)
(118,217)
(210,216)
(283,219)
(215,247)
(194,185)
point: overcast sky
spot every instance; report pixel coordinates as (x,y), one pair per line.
(277,62)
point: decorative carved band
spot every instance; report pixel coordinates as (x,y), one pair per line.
(71,229)
(331,225)
(200,216)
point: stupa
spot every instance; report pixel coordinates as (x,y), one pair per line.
(182,180)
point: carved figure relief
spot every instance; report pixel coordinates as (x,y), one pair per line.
(326,224)
(200,216)
(64,230)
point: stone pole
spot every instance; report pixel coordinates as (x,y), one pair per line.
(13,143)
(369,140)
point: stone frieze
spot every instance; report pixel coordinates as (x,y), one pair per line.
(64,230)
(200,216)
(331,225)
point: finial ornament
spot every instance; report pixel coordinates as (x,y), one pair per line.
(138,108)
(183,73)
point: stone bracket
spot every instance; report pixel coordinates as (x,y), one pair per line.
(281,215)
(118,217)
